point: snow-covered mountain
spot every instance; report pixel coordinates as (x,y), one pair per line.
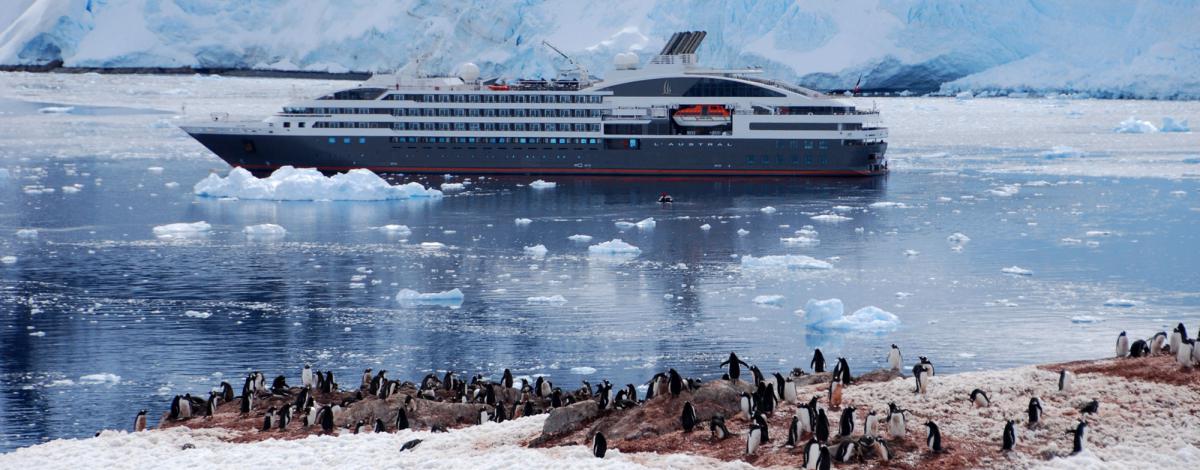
(1100,47)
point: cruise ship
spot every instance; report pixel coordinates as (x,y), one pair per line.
(668,117)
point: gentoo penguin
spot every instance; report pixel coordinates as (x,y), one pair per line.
(379,426)
(735,370)
(675,384)
(897,427)
(747,405)
(1195,352)
(779,385)
(821,429)
(761,422)
(934,438)
(484,416)
(824,460)
(1156,343)
(247,403)
(871,425)
(210,405)
(846,422)
(285,416)
(753,439)
(302,398)
(928,365)
(599,445)
(894,358)
(716,427)
(507,379)
(790,394)
(328,385)
(835,393)
(1092,407)
(501,415)
(806,416)
(843,369)
(1080,433)
(378,382)
(176,410)
(980,398)
(325,417)
(1065,377)
(367,378)
(1122,345)
(279,385)
(631,393)
(1139,348)
(812,449)
(267,419)
(1183,355)
(793,432)
(546,387)
(260,381)
(306,378)
(918,372)
(226,392)
(556,399)
(818,361)
(410,445)
(401,419)
(139,423)
(358,426)
(1035,411)
(310,417)
(765,397)
(882,451)
(757,374)
(1182,330)
(689,417)
(1009,440)
(527,408)
(185,406)
(448,381)
(319,378)
(846,451)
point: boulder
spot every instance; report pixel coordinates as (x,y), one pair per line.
(569,419)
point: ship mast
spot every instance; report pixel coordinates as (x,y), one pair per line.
(579,69)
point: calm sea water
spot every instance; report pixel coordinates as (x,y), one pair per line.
(98,318)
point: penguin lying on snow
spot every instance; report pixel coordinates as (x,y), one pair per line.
(980,398)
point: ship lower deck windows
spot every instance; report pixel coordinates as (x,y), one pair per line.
(287,124)
(793,126)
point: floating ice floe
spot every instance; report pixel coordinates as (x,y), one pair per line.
(774,300)
(1118,302)
(646,224)
(887,205)
(9,259)
(1071,241)
(432,245)
(911,253)
(1061,151)
(957,238)
(583,370)
(768,210)
(536,250)
(72,189)
(27,233)
(829,315)
(38,334)
(1017,270)
(197,314)
(101,378)
(155,169)
(522,221)
(56,109)
(1171,125)
(1085,319)
(615,247)
(264,231)
(549,299)
(843,208)
(1135,126)
(799,240)
(396,230)
(1007,190)
(182,230)
(706,227)
(789,262)
(308,184)
(539,184)
(452,187)
(450,298)
(580,238)
(1097,233)
(831,218)
(742,232)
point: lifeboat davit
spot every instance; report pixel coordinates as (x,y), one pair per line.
(711,115)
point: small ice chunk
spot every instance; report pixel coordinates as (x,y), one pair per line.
(1171,125)
(38,333)
(646,224)
(548,299)
(1134,125)
(101,378)
(911,253)
(615,246)
(957,238)
(831,218)
(432,245)
(182,230)
(56,109)
(1071,241)
(768,210)
(887,205)
(580,238)
(451,298)
(446,187)
(1097,233)
(536,250)
(583,370)
(788,262)
(1061,151)
(1007,190)
(843,208)
(9,259)
(742,232)
(1017,270)
(27,233)
(1084,319)
(155,169)
(539,184)
(1118,302)
(774,300)
(396,230)
(522,221)
(706,227)
(264,231)
(800,240)
(197,314)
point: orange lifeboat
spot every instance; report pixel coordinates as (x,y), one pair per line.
(710,115)
(498,87)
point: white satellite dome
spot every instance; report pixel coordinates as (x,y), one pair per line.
(625,60)
(468,71)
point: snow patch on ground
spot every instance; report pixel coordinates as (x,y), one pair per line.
(308,184)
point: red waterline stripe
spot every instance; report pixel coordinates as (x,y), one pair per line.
(582,171)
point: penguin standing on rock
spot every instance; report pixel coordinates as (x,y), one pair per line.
(267,419)
(821,429)
(1183,355)
(306,376)
(747,405)
(934,438)
(793,432)
(285,417)
(247,404)
(843,371)
(871,425)
(325,417)
(735,370)
(379,426)
(674,383)
(226,392)
(689,417)
(818,362)
(762,426)
(401,419)
(1122,345)
(895,358)
(1009,440)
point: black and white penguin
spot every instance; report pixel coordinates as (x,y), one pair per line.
(918,372)
(793,432)
(358,426)
(882,451)
(1035,411)
(545,387)
(747,405)
(1065,377)
(756,374)
(527,408)
(928,365)
(846,451)
(631,393)
(599,445)
(227,392)
(325,417)
(319,379)
(484,416)
(1080,433)
(401,419)
(821,428)
(753,439)
(846,422)
(779,385)
(894,358)
(818,361)
(247,404)
(367,379)
(501,415)
(410,445)
(328,385)
(805,416)
(1157,342)
(279,386)
(176,412)
(1009,440)
(811,452)
(843,371)
(824,459)
(139,423)
(309,418)
(675,384)
(260,381)
(871,425)
(285,417)
(267,420)
(790,392)
(761,421)
(897,423)
(306,376)
(556,398)
(1122,345)
(1177,337)
(378,382)
(765,397)
(934,438)
(735,370)
(507,379)
(1139,348)
(1183,355)
(1092,407)
(689,417)
(210,405)
(980,398)
(379,426)
(302,398)
(716,427)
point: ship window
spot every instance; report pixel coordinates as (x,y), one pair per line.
(824,144)
(808,144)
(300,124)
(749,159)
(346,140)
(362,140)
(287,124)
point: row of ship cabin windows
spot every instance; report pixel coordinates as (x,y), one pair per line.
(460,126)
(446,112)
(487,140)
(787,159)
(494,98)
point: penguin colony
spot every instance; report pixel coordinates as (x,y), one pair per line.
(874,435)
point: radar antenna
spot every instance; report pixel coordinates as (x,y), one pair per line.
(578,68)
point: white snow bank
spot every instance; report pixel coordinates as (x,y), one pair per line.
(182,230)
(829,314)
(397,230)
(789,262)
(1017,270)
(308,184)
(1135,126)
(546,299)
(1171,125)
(536,250)
(451,298)
(613,247)
(539,184)
(831,218)
(264,231)
(775,300)
(580,238)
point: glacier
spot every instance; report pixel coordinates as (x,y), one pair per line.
(1106,48)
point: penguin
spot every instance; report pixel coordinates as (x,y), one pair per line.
(1091,407)
(824,460)
(328,385)
(716,428)
(247,403)
(735,370)
(1139,348)
(845,451)
(793,432)
(260,381)
(358,426)
(882,451)
(379,426)
(210,405)
(790,393)
(818,362)
(1035,411)
(285,416)
(812,408)
(306,378)
(766,398)
(871,425)
(1195,352)
(675,382)
(185,407)
(1122,345)
(401,419)
(325,417)
(779,384)
(1183,355)
(279,386)
(448,381)
(747,405)
(689,417)
(410,445)
(139,423)
(1080,433)
(631,393)
(812,451)
(501,416)
(918,372)
(507,379)
(1009,440)
(980,398)
(302,398)
(527,408)
(753,439)
(367,378)
(894,358)
(821,429)
(846,422)
(226,392)
(761,422)
(309,418)
(835,393)
(319,378)
(379,381)
(897,425)
(1156,343)
(1182,330)
(934,438)
(1176,338)
(1065,377)
(484,416)
(928,365)
(176,410)
(556,399)
(546,387)
(843,369)
(599,445)
(805,416)
(267,419)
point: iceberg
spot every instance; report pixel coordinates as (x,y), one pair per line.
(1135,126)
(580,238)
(450,298)
(536,250)
(786,262)
(182,230)
(540,184)
(264,231)
(308,184)
(27,233)
(1118,302)
(768,210)
(396,230)
(614,247)
(522,221)
(551,299)
(831,218)
(828,315)
(1171,125)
